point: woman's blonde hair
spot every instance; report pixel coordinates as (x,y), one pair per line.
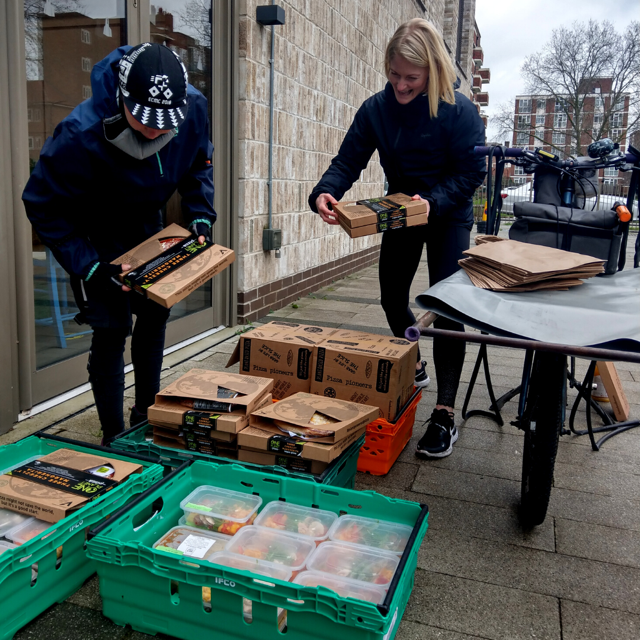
(419,43)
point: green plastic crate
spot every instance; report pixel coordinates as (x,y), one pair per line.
(340,473)
(20,602)
(154,591)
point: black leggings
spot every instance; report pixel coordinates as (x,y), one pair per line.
(400,255)
(106,363)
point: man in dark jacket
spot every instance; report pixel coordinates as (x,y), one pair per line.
(98,190)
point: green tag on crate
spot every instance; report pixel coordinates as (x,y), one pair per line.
(282,444)
(65,479)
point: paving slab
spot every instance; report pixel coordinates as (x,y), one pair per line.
(582,622)
(475,608)
(551,574)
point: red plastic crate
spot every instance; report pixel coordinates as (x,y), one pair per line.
(385,440)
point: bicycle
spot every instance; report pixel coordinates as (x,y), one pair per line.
(543,389)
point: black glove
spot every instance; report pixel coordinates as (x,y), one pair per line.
(199,228)
(106,274)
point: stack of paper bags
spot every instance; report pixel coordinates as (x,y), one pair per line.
(509,265)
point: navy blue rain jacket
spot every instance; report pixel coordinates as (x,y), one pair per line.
(89,201)
(431,157)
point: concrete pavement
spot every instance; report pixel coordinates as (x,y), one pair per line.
(575,577)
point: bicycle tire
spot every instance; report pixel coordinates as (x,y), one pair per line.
(544,415)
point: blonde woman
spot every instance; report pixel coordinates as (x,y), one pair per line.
(424,132)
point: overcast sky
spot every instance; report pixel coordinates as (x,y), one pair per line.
(511,30)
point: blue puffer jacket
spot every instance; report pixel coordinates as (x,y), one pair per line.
(89,201)
(431,157)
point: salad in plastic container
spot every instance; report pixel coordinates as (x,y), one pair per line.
(27,530)
(372,566)
(10,520)
(369,532)
(342,586)
(273,547)
(192,542)
(227,559)
(304,521)
(220,510)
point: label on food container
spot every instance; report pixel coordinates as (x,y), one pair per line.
(384,208)
(398,223)
(282,444)
(195,546)
(293,464)
(150,272)
(200,422)
(65,479)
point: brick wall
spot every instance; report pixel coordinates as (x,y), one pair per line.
(329,57)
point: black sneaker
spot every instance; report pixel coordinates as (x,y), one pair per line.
(422,379)
(438,439)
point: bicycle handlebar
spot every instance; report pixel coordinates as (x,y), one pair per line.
(537,158)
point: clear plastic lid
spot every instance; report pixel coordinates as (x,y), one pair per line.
(4,470)
(219,509)
(254,565)
(369,532)
(304,521)
(273,547)
(27,530)
(355,562)
(195,543)
(342,586)
(5,546)
(10,520)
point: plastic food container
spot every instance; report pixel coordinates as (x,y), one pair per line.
(355,562)
(192,542)
(27,530)
(10,520)
(368,532)
(304,521)
(342,586)
(5,546)
(234,561)
(273,547)
(220,510)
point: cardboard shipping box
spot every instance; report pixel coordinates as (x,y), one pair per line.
(366,217)
(167,274)
(272,440)
(35,489)
(305,413)
(292,463)
(282,351)
(366,368)
(172,415)
(174,408)
(379,227)
(192,442)
(360,213)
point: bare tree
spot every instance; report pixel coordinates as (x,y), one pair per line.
(567,69)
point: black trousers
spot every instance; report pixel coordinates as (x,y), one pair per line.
(106,362)
(400,255)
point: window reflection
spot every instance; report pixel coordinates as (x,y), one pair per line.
(63,40)
(185,27)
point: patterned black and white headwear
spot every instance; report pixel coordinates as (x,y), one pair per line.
(153,83)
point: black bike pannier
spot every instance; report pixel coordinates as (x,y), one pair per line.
(591,233)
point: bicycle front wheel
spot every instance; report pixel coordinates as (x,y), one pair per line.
(543,419)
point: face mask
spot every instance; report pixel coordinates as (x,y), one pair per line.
(121,135)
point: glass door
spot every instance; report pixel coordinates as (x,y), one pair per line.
(64,39)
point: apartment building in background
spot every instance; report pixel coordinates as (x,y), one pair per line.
(546,121)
